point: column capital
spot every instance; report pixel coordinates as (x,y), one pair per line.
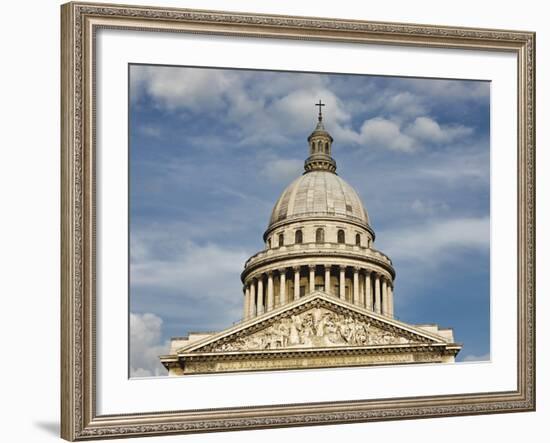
(296,268)
(342,267)
(282,270)
(269,273)
(311,267)
(326,265)
(356,268)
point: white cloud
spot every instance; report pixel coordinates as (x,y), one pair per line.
(437,241)
(381,132)
(403,103)
(271,107)
(200,271)
(170,261)
(266,108)
(428,130)
(283,170)
(296,111)
(395,135)
(293,114)
(174,87)
(145,345)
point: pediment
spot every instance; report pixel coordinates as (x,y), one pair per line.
(315,321)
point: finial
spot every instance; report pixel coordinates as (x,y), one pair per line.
(320,142)
(320,113)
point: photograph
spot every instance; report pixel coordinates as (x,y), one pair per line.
(283,220)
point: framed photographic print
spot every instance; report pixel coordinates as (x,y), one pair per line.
(282,221)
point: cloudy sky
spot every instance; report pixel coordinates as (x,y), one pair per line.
(211,150)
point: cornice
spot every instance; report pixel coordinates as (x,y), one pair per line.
(324,256)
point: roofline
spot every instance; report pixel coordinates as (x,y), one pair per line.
(303,300)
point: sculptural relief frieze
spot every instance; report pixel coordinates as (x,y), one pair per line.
(317,327)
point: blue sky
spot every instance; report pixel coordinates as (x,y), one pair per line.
(211,150)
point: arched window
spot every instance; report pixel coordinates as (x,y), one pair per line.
(298,237)
(341,236)
(358,239)
(326,147)
(319,146)
(320,235)
(269,243)
(281,239)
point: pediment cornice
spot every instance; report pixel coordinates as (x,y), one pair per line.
(316,321)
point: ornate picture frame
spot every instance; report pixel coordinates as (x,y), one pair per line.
(80,23)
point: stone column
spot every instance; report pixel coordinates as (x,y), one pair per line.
(356,286)
(368,290)
(252,312)
(377,306)
(384,296)
(327,279)
(246,302)
(311,278)
(259,296)
(282,286)
(270,298)
(390,300)
(343,282)
(296,282)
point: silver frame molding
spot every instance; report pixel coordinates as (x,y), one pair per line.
(79,22)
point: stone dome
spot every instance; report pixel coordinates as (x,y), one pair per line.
(319,193)
(318,239)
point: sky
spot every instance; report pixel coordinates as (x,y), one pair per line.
(211,150)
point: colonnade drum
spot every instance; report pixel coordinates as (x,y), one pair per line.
(360,286)
(318,238)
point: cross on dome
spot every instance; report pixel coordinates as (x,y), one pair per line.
(320,142)
(320,104)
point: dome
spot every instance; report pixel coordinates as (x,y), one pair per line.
(319,193)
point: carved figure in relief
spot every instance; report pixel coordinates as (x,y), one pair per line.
(295,325)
